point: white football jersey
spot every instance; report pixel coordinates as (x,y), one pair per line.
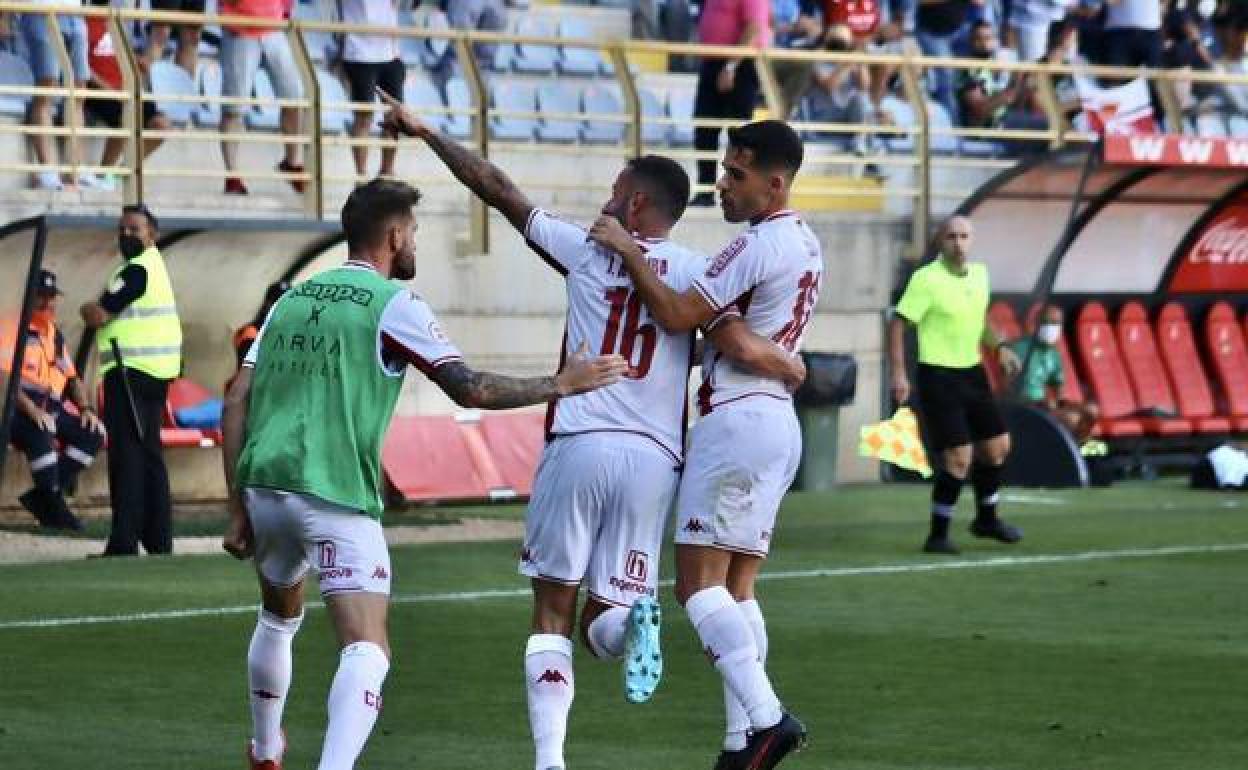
(770,276)
(606,313)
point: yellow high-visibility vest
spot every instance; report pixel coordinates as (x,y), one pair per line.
(148,332)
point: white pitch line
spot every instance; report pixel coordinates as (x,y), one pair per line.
(511,593)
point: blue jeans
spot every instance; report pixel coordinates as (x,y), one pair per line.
(939,79)
(33,28)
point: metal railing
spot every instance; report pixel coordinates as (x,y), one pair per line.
(910,68)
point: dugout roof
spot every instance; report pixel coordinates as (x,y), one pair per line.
(1147,206)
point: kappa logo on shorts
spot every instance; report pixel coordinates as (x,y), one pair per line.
(636,566)
(372,699)
(527,556)
(552,676)
(379,573)
(710,654)
(694,525)
(765,535)
(327,554)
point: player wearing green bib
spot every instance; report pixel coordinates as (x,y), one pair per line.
(304,424)
(947,301)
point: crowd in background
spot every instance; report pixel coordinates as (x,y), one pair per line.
(1207,35)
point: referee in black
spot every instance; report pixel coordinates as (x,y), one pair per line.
(947,301)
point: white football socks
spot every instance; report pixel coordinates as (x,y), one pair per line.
(550,687)
(729,642)
(606,633)
(354,703)
(268,679)
(737,721)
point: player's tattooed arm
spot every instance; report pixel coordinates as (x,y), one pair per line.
(487,181)
(486,390)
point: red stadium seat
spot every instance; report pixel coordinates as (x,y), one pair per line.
(1191,386)
(1003,321)
(1072,391)
(1098,352)
(1147,374)
(1224,339)
(515,440)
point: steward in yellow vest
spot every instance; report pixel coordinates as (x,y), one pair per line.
(139,338)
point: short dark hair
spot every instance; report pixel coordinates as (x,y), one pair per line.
(370,208)
(141,208)
(665,181)
(774,144)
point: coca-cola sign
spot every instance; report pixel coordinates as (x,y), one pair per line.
(1218,259)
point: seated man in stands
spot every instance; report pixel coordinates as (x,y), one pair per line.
(1042,377)
(993,98)
(49,377)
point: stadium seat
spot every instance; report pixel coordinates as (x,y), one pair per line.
(576,60)
(1191,386)
(680,109)
(1224,341)
(651,132)
(1003,321)
(334,120)
(168,79)
(1147,373)
(435,48)
(458,125)
(450,473)
(1211,124)
(1238,126)
(530,58)
(1098,352)
(14,71)
(423,97)
(602,100)
(514,97)
(263,116)
(208,83)
(556,98)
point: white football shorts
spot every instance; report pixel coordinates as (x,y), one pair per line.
(293,530)
(599,507)
(741,460)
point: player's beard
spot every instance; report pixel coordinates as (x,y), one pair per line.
(403,268)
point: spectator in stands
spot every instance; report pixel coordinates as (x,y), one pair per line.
(1042,377)
(187,56)
(1064,50)
(901,13)
(1029,23)
(992,98)
(41,420)
(372,62)
(243,51)
(1232,30)
(46,65)
(489,15)
(140,346)
(1186,43)
(1132,33)
(727,88)
(840,90)
(106,75)
(795,25)
(938,23)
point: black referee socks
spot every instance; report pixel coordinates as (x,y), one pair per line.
(945,493)
(986,479)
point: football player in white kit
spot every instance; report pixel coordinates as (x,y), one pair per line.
(609,472)
(744,451)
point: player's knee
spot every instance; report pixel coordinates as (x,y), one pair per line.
(958,462)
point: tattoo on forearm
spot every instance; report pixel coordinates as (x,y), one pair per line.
(486,390)
(474,172)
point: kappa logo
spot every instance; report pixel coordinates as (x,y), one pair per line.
(694,525)
(264,695)
(710,654)
(636,566)
(552,676)
(333,292)
(765,536)
(527,556)
(372,700)
(379,573)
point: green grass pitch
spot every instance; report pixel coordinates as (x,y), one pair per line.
(1135,659)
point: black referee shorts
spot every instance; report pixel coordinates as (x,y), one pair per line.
(957,406)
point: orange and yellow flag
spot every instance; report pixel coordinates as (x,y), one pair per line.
(896,441)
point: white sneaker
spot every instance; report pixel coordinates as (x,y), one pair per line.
(103,182)
(48,180)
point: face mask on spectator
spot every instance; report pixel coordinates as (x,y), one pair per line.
(1049,333)
(130,246)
